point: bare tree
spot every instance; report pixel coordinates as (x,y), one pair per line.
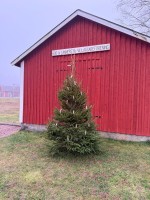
(136,14)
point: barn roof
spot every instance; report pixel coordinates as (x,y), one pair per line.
(87,16)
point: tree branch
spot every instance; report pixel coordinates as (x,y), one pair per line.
(136,14)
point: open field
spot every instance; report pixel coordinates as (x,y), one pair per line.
(9,110)
(120,172)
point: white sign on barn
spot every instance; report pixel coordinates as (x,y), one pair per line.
(77,50)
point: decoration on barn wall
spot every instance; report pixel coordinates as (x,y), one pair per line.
(85,49)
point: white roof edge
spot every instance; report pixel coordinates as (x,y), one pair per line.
(116,26)
(87,16)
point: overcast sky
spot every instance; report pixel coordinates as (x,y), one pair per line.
(23,22)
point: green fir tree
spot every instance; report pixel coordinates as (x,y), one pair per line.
(72,129)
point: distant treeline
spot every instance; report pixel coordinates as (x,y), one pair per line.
(9,91)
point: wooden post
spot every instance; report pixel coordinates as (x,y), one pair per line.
(72,65)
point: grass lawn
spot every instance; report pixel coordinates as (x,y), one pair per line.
(121,171)
(9,110)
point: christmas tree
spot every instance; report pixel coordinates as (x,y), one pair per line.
(72,129)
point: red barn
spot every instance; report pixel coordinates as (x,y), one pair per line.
(113,64)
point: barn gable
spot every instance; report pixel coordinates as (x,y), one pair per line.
(86,15)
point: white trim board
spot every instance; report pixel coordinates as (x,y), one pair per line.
(87,16)
(21,92)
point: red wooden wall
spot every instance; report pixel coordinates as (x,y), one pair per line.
(117,82)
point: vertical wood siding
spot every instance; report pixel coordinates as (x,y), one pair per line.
(117,82)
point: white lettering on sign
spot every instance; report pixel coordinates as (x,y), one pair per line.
(77,50)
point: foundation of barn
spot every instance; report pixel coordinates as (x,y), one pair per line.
(115,136)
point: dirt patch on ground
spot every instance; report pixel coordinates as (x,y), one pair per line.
(6,130)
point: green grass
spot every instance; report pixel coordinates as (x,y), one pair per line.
(9,110)
(120,172)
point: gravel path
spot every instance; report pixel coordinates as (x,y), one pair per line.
(6,130)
